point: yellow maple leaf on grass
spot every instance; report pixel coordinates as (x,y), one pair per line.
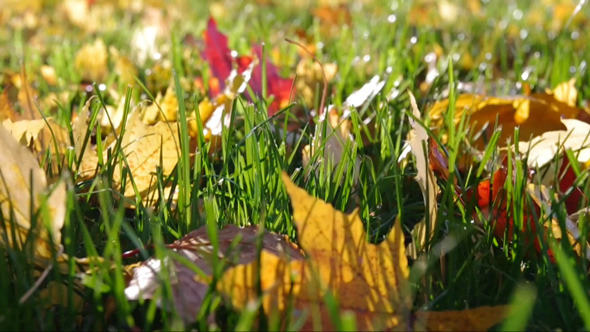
(22,183)
(368,280)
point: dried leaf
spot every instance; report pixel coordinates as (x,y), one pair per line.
(478,319)
(80,128)
(369,280)
(335,147)
(533,114)
(24,183)
(236,246)
(162,109)
(24,131)
(146,148)
(423,232)
(310,79)
(91,61)
(542,149)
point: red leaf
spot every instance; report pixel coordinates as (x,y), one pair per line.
(218,54)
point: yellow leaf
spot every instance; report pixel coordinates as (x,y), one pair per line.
(418,141)
(22,183)
(281,280)
(533,114)
(162,109)
(478,319)
(91,61)
(565,92)
(310,79)
(147,148)
(24,131)
(368,280)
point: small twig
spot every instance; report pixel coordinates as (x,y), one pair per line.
(36,285)
(325,90)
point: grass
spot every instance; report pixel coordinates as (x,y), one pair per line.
(240,183)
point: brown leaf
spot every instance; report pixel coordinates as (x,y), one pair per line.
(423,232)
(478,319)
(236,246)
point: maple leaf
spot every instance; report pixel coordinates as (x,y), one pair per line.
(235,246)
(221,62)
(29,207)
(369,280)
(146,148)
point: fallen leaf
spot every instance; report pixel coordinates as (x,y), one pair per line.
(368,280)
(334,146)
(24,190)
(24,131)
(310,80)
(6,109)
(544,148)
(478,319)
(91,61)
(146,148)
(222,63)
(87,154)
(236,246)
(534,114)
(162,109)
(418,141)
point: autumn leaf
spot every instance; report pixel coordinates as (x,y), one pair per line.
(477,319)
(222,63)
(91,61)
(544,148)
(146,148)
(310,79)
(534,114)
(235,246)
(368,280)
(29,206)
(331,147)
(418,141)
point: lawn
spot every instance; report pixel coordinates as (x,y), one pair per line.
(136,136)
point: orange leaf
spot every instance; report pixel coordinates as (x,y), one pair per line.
(533,114)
